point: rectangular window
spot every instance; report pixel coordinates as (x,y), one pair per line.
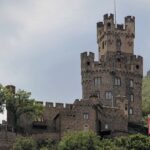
(86,116)
(97,81)
(108,95)
(131,83)
(117,81)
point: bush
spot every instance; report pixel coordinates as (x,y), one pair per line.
(23,143)
(134,142)
(47,144)
(85,141)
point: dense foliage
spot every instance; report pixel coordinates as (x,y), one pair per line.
(146,95)
(86,141)
(79,140)
(133,142)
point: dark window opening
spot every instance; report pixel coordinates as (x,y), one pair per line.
(103,45)
(137,67)
(88,63)
(109,25)
(118,59)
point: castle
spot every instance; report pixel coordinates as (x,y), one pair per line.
(111,88)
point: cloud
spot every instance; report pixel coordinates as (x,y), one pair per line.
(41,42)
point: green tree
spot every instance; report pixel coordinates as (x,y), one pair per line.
(2,98)
(19,104)
(24,143)
(85,141)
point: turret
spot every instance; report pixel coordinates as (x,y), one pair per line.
(130,24)
(87,60)
(108,22)
(114,38)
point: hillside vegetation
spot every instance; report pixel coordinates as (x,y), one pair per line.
(146,95)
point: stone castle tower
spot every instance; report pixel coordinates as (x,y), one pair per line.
(118,72)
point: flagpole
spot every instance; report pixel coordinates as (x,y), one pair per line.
(115,12)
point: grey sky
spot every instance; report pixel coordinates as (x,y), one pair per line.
(41,42)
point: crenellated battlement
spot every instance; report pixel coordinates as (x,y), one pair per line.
(100,24)
(108,17)
(87,55)
(54,105)
(129,19)
(114,37)
(137,58)
(120,27)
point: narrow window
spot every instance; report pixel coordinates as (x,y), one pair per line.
(98,95)
(108,95)
(117,81)
(106,126)
(126,107)
(131,97)
(131,83)
(86,116)
(131,111)
(103,45)
(109,25)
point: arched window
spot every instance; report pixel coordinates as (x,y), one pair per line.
(131,83)
(130,111)
(131,97)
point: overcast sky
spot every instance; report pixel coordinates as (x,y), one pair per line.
(41,42)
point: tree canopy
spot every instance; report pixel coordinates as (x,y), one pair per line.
(19,103)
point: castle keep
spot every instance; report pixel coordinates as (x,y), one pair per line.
(118,72)
(111,88)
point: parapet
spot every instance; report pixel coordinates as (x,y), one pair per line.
(129,19)
(58,105)
(49,104)
(100,25)
(120,26)
(137,58)
(107,16)
(85,55)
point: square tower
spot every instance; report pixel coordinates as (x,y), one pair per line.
(118,72)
